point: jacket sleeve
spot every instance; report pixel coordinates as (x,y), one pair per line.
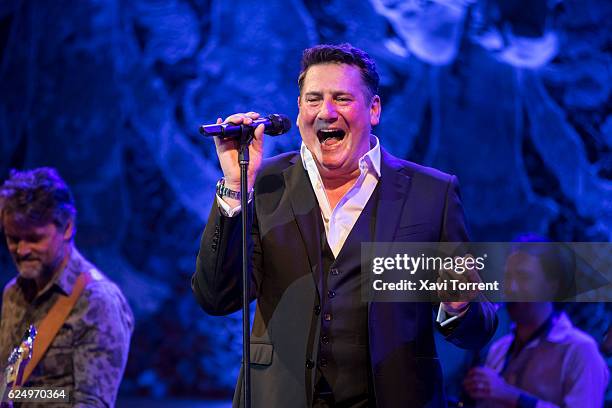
(477,326)
(217,281)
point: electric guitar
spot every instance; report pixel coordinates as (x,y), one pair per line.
(17,361)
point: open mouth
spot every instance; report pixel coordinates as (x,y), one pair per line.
(325,135)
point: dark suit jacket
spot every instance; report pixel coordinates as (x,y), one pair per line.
(416,204)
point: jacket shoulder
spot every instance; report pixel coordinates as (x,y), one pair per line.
(270,176)
(276,164)
(415,170)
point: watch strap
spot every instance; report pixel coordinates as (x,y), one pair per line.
(224,191)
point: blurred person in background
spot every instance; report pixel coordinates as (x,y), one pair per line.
(545,361)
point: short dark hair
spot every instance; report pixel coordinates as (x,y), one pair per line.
(38,196)
(341,54)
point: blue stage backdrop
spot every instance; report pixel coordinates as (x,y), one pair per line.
(511,96)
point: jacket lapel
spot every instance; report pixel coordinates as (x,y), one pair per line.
(394,187)
(305,211)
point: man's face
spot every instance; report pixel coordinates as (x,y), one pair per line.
(336,116)
(36,250)
(525,279)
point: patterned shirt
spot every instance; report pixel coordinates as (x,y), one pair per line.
(89,352)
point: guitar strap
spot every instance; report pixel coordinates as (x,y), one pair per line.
(50,325)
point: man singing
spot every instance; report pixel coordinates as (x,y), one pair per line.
(88,354)
(314,341)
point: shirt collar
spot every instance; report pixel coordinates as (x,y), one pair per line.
(371,159)
(67,278)
(562,326)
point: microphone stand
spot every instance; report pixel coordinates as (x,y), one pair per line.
(243,160)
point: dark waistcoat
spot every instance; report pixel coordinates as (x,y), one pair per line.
(343,358)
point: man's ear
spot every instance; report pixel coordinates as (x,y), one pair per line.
(69,230)
(297,119)
(375,110)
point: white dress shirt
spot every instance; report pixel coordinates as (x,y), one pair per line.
(340,220)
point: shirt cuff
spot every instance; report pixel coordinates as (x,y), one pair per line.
(225,208)
(445,318)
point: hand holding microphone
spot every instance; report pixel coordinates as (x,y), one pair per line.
(226,134)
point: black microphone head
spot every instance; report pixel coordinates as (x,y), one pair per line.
(279,124)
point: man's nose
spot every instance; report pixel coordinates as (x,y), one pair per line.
(512,288)
(328,110)
(23,248)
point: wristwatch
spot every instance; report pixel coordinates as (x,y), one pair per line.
(223,191)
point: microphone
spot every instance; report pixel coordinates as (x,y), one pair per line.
(274,125)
